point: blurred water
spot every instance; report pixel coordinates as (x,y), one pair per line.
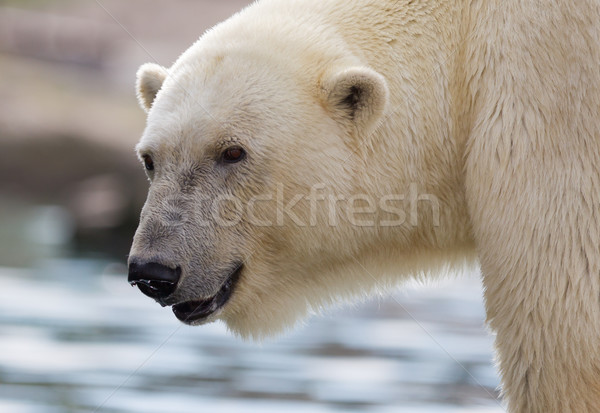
(74,337)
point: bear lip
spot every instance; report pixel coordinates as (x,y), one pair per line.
(190,312)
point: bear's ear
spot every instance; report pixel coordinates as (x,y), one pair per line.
(356,94)
(150,78)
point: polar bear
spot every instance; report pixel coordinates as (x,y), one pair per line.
(306,151)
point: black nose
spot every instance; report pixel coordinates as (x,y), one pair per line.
(153,279)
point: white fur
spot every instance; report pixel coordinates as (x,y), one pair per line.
(490,107)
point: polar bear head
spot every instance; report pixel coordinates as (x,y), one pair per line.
(243,150)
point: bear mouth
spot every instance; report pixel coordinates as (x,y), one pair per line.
(191,312)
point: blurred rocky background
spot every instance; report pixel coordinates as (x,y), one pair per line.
(69,179)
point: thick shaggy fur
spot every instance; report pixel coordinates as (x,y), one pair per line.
(491,108)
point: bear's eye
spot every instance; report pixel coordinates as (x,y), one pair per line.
(233,154)
(148,162)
